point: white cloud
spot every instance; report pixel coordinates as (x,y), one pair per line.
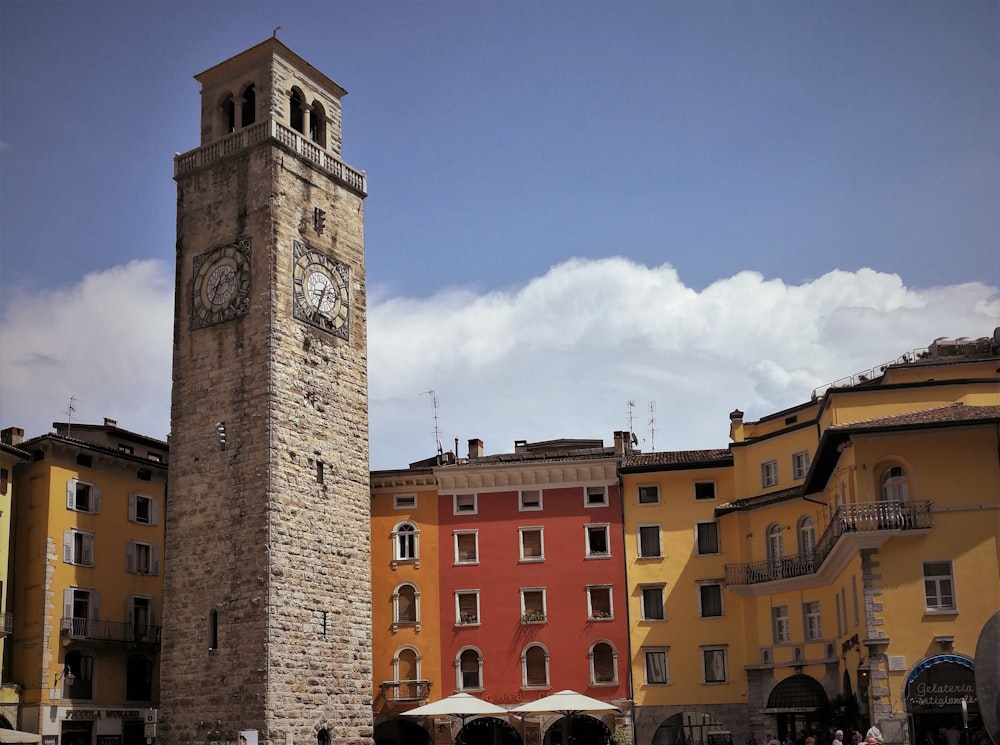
(560,357)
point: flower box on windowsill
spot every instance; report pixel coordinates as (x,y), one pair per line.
(533,616)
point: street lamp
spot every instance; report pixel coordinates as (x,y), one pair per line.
(67,677)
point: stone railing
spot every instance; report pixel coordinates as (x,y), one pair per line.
(850,518)
(110,631)
(261,131)
(406,690)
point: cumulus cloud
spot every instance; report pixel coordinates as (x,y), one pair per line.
(588,348)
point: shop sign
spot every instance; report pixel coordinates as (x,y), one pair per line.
(941,683)
(92,714)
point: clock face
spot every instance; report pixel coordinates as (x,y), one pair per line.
(220,288)
(320,290)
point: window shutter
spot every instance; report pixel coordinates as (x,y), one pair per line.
(130,610)
(406,603)
(95,605)
(130,557)
(532,544)
(131,507)
(470,664)
(407,665)
(68,546)
(71,494)
(88,551)
(534,667)
(155,568)
(604,664)
(95,495)
(154,511)
(67,608)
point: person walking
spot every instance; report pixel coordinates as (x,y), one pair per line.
(838,737)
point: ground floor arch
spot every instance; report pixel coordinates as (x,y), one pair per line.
(941,703)
(691,728)
(797,707)
(488,731)
(401,732)
(579,729)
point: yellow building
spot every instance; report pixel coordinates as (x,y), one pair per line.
(10,455)
(87,584)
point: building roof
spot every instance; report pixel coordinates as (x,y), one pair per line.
(676,460)
(760,500)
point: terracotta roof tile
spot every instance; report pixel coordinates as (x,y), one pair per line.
(950,414)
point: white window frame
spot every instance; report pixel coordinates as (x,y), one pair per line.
(80,625)
(712,655)
(769,473)
(644,610)
(396,620)
(152,510)
(541,543)
(524,666)
(134,550)
(800,464)
(648,494)
(807,537)
(534,611)
(459,680)
(812,620)
(73,487)
(614,664)
(933,588)
(475,537)
(459,594)
(640,552)
(705,483)
(465,504)
(894,483)
(649,653)
(593,491)
(410,530)
(781,626)
(591,613)
(525,500)
(594,528)
(78,547)
(697,535)
(404,501)
(701,599)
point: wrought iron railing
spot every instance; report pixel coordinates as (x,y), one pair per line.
(270,129)
(406,690)
(849,518)
(110,631)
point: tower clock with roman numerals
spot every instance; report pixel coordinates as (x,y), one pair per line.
(321,291)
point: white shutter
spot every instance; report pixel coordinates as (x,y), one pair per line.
(88,551)
(95,605)
(68,546)
(154,511)
(130,557)
(95,496)
(131,507)
(155,560)
(130,610)
(71,494)
(67,608)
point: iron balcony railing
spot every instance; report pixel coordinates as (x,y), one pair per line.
(406,690)
(849,518)
(110,631)
(6,624)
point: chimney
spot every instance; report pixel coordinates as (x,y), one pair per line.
(623,444)
(736,426)
(12,436)
(475,448)
(520,446)
(110,422)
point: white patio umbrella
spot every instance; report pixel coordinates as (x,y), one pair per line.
(460,705)
(567,703)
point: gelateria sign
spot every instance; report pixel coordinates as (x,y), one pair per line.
(941,682)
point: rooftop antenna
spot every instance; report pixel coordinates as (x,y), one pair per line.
(70,411)
(437,430)
(631,417)
(274,34)
(652,426)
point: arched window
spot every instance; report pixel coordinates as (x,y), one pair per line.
(535,666)
(775,549)
(296,111)
(405,604)
(228,107)
(406,665)
(323,737)
(405,542)
(79,676)
(317,124)
(893,485)
(469,667)
(248,110)
(603,664)
(807,538)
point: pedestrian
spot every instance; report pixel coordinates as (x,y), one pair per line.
(838,738)
(772,740)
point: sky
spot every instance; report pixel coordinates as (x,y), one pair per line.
(582,216)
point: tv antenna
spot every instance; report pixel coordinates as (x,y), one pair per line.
(70,411)
(437,430)
(631,417)
(652,426)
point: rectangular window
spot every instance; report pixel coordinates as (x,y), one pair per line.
(657,670)
(704,490)
(597,496)
(78,548)
(82,497)
(707,537)
(126,449)
(142,558)
(800,464)
(156,457)
(467,607)
(812,620)
(533,606)
(649,494)
(710,600)
(599,602)
(769,473)
(939,589)
(649,542)
(142,509)
(714,659)
(466,547)
(779,624)
(465,504)
(530,500)
(404,501)
(532,547)
(597,541)
(652,603)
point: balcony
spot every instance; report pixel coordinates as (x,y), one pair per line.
(405,691)
(109,631)
(6,624)
(876,519)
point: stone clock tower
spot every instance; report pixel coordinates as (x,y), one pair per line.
(267,617)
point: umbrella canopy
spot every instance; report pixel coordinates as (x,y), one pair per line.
(566,703)
(12,735)
(458,705)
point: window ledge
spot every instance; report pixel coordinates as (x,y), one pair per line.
(598,556)
(941,611)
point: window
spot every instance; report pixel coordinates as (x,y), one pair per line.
(597,496)
(535,667)
(530,500)
(533,606)
(139,679)
(893,484)
(406,605)
(248,109)
(710,599)
(213,629)
(599,602)
(657,671)
(649,494)
(939,590)
(155,457)
(78,548)
(466,547)
(81,609)
(807,538)
(143,509)
(714,660)
(597,541)
(406,668)
(140,619)
(126,449)
(707,537)
(467,607)
(82,497)
(652,603)
(81,666)
(603,664)
(532,548)
(812,620)
(317,124)
(800,464)
(404,501)
(704,490)
(779,624)
(142,558)
(649,542)
(470,670)
(769,473)
(405,542)
(296,113)
(465,504)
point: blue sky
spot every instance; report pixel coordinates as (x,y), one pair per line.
(530,164)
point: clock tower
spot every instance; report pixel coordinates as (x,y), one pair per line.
(267,617)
